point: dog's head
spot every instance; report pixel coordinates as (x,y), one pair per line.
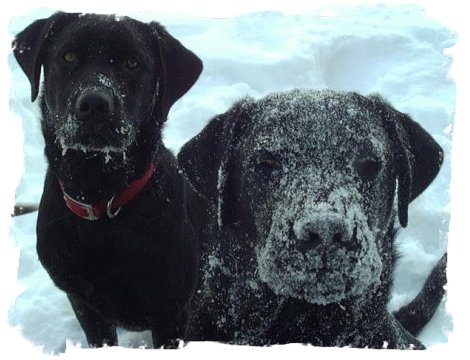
(106,78)
(315,174)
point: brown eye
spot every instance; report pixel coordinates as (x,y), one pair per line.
(70,57)
(270,163)
(265,162)
(132,62)
(267,166)
(368,168)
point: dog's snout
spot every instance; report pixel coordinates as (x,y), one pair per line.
(89,105)
(327,230)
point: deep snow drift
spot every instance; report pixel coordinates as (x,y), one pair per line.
(396,51)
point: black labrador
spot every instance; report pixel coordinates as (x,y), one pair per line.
(113,229)
(302,248)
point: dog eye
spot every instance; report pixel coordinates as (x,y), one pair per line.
(367,168)
(70,57)
(132,62)
(269,164)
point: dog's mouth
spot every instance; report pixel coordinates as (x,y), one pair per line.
(92,144)
(95,145)
(94,141)
(73,136)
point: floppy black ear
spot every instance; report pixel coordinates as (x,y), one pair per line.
(30,47)
(418,156)
(200,158)
(206,160)
(181,68)
(427,155)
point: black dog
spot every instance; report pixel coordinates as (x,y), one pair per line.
(112,229)
(303,187)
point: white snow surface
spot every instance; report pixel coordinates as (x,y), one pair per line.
(397,51)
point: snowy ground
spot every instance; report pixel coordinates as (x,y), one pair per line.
(397,51)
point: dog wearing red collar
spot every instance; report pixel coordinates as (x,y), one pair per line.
(113,230)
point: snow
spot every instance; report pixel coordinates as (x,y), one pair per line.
(398,51)
(221,176)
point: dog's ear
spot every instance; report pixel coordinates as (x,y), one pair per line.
(426,152)
(200,158)
(180,68)
(30,46)
(207,159)
(418,156)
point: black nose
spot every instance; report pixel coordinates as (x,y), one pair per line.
(323,231)
(91,105)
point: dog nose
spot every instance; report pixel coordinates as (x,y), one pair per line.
(90,105)
(325,231)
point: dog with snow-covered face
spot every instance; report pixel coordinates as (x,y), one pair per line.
(113,230)
(303,186)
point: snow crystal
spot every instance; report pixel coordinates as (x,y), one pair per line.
(220,181)
(86,148)
(104,80)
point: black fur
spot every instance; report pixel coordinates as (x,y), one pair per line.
(137,270)
(301,248)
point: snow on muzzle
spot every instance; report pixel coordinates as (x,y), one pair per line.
(96,120)
(321,251)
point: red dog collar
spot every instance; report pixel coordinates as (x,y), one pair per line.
(109,207)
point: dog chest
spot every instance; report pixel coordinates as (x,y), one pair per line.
(120,266)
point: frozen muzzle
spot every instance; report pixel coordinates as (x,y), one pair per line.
(321,250)
(96,120)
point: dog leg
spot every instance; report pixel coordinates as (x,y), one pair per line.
(168,337)
(97,331)
(392,335)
